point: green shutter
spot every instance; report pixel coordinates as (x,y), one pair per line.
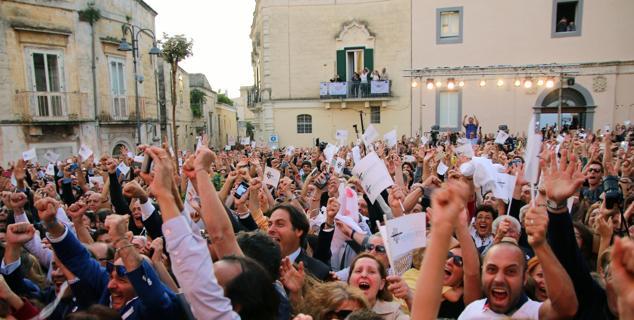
(368,59)
(341,64)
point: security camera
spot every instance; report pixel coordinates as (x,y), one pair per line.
(140,78)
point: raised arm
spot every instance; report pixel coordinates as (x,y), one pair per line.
(191,262)
(471,266)
(562,300)
(447,203)
(213,212)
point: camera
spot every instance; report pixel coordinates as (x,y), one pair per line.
(612,191)
(434,134)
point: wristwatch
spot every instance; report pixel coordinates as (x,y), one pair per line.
(554,206)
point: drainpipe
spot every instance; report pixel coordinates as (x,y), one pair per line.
(94,87)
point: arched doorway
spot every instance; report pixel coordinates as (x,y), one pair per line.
(116,151)
(577,108)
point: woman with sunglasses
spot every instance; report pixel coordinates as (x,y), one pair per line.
(333,300)
(369,274)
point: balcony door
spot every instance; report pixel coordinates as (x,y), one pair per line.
(354,63)
(116,68)
(46,82)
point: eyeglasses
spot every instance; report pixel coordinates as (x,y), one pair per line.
(378,248)
(121,271)
(457,260)
(339,315)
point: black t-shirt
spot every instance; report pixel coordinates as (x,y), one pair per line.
(450,309)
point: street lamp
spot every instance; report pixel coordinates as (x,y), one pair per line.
(124,45)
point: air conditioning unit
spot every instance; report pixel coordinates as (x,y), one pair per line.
(35,131)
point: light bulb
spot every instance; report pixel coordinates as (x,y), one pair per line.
(550,83)
(414,84)
(430,85)
(483,83)
(461,84)
(438,84)
(500,82)
(517,83)
(528,83)
(450,85)
(540,82)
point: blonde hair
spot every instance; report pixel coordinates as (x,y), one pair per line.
(324,298)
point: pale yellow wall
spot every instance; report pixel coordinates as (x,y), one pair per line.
(228,126)
(295,49)
(519,33)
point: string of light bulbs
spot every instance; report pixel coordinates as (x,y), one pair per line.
(453,83)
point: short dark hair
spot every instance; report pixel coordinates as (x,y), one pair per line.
(306,162)
(509,244)
(252,290)
(298,221)
(486,208)
(263,249)
(598,163)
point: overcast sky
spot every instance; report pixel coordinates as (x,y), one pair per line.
(220,29)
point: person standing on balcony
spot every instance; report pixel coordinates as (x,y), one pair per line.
(365,75)
(356,79)
(384,75)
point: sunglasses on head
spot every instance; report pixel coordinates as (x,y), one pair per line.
(457,260)
(379,248)
(121,271)
(341,314)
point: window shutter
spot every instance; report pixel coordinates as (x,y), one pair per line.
(341,64)
(368,58)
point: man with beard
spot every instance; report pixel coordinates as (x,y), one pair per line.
(504,275)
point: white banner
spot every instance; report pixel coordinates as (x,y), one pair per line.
(379,87)
(373,174)
(245,141)
(504,186)
(323,88)
(337,88)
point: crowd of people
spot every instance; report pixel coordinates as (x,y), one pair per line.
(208,235)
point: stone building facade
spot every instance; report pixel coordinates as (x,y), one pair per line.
(46,77)
(298,46)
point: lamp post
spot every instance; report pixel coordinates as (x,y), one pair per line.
(134,47)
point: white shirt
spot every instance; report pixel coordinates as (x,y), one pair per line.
(478,310)
(293,256)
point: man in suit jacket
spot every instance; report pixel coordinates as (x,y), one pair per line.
(289,227)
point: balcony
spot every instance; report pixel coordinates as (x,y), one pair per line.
(353,90)
(122,109)
(253,97)
(51,107)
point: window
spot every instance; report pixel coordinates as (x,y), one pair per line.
(375,114)
(449,25)
(116,68)
(448,109)
(304,123)
(566,20)
(46,75)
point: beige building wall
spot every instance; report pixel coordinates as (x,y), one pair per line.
(295,47)
(28,26)
(227,124)
(516,33)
